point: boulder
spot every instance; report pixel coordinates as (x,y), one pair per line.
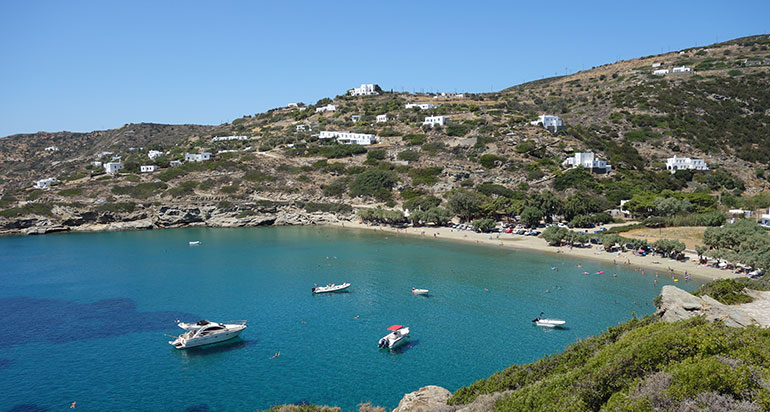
(426,399)
(676,304)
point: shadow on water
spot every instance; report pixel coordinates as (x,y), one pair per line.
(198,408)
(59,321)
(405,347)
(221,347)
(28,407)
(5,363)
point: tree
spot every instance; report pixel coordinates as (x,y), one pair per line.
(438,215)
(422,203)
(577,205)
(555,235)
(548,204)
(373,182)
(671,206)
(531,216)
(484,225)
(466,205)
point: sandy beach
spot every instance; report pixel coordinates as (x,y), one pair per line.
(664,266)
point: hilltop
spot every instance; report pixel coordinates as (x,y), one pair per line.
(489,151)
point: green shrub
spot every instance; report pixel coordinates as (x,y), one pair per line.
(490,161)
(185,188)
(457,129)
(427,176)
(140,191)
(40,209)
(373,182)
(75,191)
(409,155)
(727,291)
(376,155)
(328,207)
(414,139)
(341,150)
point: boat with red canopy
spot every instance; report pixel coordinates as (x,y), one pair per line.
(399,334)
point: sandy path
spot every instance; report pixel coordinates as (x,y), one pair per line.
(676,268)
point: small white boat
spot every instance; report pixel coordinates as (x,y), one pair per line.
(419,291)
(194,242)
(398,336)
(548,323)
(205,332)
(331,287)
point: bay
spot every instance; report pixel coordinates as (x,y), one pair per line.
(85,315)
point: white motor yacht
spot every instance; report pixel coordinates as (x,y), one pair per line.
(398,336)
(194,242)
(331,287)
(419,291)
(547,322)
(205,332)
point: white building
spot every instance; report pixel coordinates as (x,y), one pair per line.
(148,168)
(44,183)
(303,127)
(327,108)
(661,72)
(102,154)
(51,149)
(174,163)
(295,105)
(765,219)
(682,69)
(112,167)
(197,157)
(683,163)
(589,161)
(654,65)
(548,121)
(450,95)
(364,90)
(96,163)
(228,138)
(153,154)
(382,118)
(355,118)
(421,106)
(349,138)
(436,120)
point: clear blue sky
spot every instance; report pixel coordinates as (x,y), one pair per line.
(88,65)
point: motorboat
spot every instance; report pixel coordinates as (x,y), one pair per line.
(398,335)
(331,287)
(205,332)
(419,291)
(194,242)
(547,322)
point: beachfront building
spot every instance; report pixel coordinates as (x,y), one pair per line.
(682,69)
(327,108)
(661,72)
(421,106)
(228,138)
(174,163)
(363,139)
(197,157)
(44,183)
(589,161)
(685,163)
(148,168)
(433,121)
(364,90)
(112,167)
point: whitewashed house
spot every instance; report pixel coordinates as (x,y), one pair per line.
(228,138)
(112,167)
(197,157)
(51,149)
(148,168)
(355,118)
(421,106)
(589,161)
(382,118)
(450,95)
(549,122)
(327,108)
(764,220)
(363,139)
(684,163)
(103,154)
(682,69)
(364,90)
(153,154)
(654,65)
(174,163)
(96,163)
(295,105)
(661,72)
(432,121)
(303,127)
(44,183)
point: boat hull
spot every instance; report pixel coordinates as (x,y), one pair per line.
(324,289)
(550,323)
(181,343)
(420,291)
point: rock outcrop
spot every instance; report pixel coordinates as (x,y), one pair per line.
(426,399)
(676,304)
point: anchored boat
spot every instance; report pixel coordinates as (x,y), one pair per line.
(548,322)
(331,287)
(419,291)
(398,336)
(205,332)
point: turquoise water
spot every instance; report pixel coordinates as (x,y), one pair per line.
(84,315)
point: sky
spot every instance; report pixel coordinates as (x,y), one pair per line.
(91,65)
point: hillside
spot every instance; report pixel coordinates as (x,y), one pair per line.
(489,152)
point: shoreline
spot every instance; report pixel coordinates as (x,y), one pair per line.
(536,244)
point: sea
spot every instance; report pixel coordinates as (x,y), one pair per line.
(84,317)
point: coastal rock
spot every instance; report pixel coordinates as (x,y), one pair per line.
(426,399)
(484,403)
(116,226)
(177,216)
(676,304)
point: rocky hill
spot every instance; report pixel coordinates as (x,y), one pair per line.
(634,119)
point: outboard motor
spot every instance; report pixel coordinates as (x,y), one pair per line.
(383,343)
